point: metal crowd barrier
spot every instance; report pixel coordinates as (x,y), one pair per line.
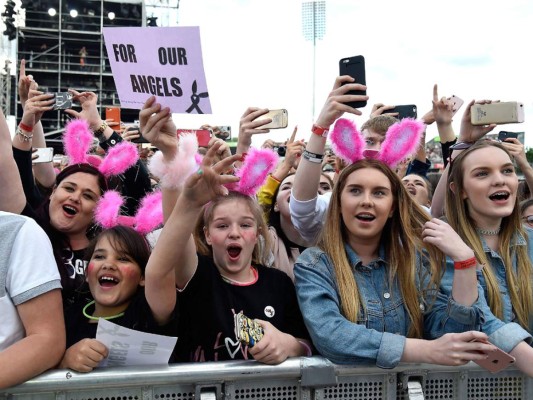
(306,378)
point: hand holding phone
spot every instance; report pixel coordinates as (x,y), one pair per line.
(403,111)
(502,135)
(42,155)
(457,103)
(496,361)
(509,112)
(63,101)
(247,330)
(113,114)
(280,119)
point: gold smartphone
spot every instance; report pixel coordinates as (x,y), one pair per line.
(509,112)
(280,119)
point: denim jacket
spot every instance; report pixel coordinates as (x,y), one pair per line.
(505,333)
(379,335)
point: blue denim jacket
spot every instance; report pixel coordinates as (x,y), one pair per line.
(505,333)
(379,335)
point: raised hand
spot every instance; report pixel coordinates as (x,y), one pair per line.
(442,235)
(208,181)
(24,83)
(381,109)
(336,105)
(130,134)
(36,104)
(294,150)
(517,150)
(249,126)
(158,128)
(469,132)
(442,108)
(84,356)
(89,110)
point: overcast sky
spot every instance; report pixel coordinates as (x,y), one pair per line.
(255,55)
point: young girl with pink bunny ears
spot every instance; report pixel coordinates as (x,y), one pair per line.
(214,288)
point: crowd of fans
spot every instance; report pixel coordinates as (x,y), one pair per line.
(347,246)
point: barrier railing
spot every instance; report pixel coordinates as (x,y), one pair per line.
(306,378)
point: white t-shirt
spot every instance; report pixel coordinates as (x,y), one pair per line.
(27,270)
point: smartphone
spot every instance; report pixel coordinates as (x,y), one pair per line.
(502,135)
(247,330)
(457,103)
(225,132)
(497,113)
(404,111)
(141,138)
(355,67)
(497,360)
(280,119)
(280,148)
(203,135)
(45,154)
(63,101)
(113,113)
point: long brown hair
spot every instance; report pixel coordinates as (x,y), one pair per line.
(401,237)
(519,283)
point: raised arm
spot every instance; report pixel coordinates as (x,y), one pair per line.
(173,247)
(518,152)
(12,197)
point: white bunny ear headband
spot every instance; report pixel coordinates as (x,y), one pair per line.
(253,172)
(401,140)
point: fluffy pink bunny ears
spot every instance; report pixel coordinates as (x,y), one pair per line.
(401,140)
(148,217)
(78,139)
(253,172)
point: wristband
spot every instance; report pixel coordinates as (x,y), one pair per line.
(313,157)
(99,133)
(320,131)
(471,262)
(25,127)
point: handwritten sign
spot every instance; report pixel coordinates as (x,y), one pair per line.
(164,62)
(129,347)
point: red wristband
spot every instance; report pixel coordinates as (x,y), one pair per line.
(25,127)
(471,262)
(320,131)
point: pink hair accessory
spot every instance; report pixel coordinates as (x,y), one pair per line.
(254,171)
(77,141)
(148,217)
(347,141)
(402,139)
(173,174)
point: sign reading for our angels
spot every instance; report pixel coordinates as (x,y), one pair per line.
(164,62)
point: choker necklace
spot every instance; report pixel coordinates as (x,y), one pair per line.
(487,232)
(97,318)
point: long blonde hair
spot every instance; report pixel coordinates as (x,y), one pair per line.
(401,237)
(519,283)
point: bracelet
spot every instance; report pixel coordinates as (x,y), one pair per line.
(465,264)
(313,157)
(308,351)
(25,127)
(461,145)
(22,136)
(99,133)
(320,131)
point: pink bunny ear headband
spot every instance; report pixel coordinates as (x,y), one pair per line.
(77,141)
(149,215)
(401,140)
(253,172)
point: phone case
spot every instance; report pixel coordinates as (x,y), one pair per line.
(46,154)
(280,119)
(457,103)
(497,113)
(114,114)
(247,330)
(63,101)
(496,361)
(502,135)
(355,67)
(404,111)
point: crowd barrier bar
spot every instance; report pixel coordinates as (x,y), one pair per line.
(306,378)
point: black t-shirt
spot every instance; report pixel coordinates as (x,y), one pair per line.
(137,316)
(208,304)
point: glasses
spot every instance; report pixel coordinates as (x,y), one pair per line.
(528,220)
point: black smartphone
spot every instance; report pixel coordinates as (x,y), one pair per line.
(502,135)
(404,111)
(355,67)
